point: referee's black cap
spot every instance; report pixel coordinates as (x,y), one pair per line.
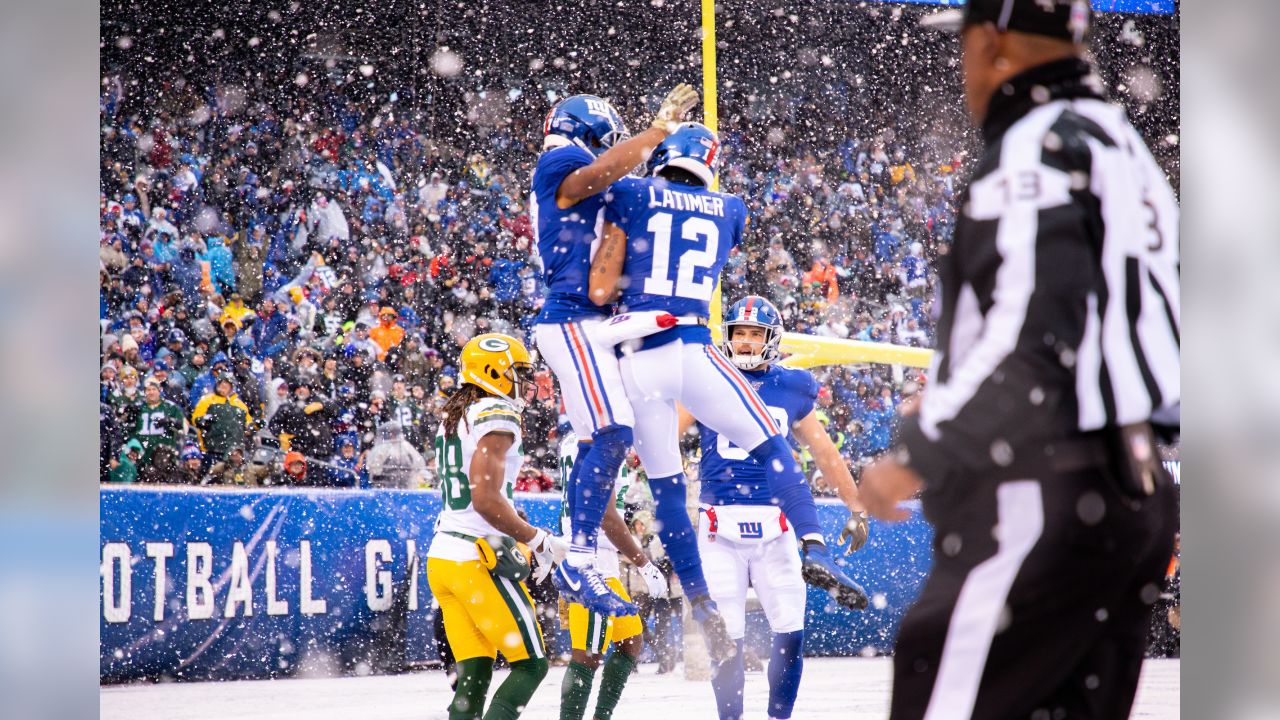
(1061,19)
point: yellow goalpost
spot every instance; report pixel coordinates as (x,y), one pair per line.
(803,350)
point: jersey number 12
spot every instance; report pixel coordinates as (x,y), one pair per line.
(693,229)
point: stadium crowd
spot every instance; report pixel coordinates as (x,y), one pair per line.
(300,270)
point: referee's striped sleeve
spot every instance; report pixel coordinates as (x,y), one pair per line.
(1002,370)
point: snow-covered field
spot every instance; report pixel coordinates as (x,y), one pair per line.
(845,688)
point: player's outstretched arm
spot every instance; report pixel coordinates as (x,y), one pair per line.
(621,158)
(615,528)
(487,474)
(606,267)
(832,465)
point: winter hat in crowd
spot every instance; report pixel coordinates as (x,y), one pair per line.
(133,446)
(108,341)
(191,452)
(293,456)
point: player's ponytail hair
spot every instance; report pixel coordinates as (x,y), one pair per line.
(455,408)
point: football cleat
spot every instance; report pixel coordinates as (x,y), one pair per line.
(821,570)
(585,586)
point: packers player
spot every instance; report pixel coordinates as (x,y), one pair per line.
(473,565)
(589,631)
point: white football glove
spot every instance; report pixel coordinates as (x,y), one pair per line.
(675,106)
(549,550)
(653,580)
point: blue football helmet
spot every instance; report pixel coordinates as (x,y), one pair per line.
(693,147)
(587,121)
(753,311)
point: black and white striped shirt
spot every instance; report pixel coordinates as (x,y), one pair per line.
(1060,295)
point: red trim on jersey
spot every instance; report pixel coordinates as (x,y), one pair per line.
(748,392)
(585,362)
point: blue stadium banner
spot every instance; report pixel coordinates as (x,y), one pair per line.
(1144,7)
(230,584)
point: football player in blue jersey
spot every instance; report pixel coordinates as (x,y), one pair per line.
(666,238)
(743,537)
(586,149)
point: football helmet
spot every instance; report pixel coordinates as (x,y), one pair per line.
(693,147)
(499,364)
(753,311)
(587,121)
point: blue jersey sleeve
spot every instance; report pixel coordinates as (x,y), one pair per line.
(620,201)
(554,166)
(806,391)
(739,221)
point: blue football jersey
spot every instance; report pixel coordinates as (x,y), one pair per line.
(678,239)
(566,238)
(729,475)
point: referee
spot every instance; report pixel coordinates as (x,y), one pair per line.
(1033,446)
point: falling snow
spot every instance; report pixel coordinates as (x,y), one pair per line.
(392,145)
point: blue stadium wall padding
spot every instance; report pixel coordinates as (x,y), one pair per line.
(224,552)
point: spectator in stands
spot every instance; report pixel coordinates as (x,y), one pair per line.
(392,462)
(347,467)
(388,334)
(534,479)
(303,424)
(125,467)
(221,419)
(155,421)
(109,442)
(295,469)
(191,471)
(231,470)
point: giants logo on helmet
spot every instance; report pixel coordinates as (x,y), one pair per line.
(596,106)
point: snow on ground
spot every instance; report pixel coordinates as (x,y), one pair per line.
(845,688)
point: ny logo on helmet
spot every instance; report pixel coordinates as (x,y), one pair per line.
(598,107)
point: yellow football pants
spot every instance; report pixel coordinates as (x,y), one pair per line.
(593,632)
(482,614)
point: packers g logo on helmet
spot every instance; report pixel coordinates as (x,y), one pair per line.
(492,343)
(497,363)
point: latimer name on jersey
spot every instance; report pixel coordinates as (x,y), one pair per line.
(687,202)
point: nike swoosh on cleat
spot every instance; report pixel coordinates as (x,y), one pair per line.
(574,586)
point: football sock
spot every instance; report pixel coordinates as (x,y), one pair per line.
(617,669)
(514,693)
(677,534)
(592,489)
(785,666)
(727,679)
(474,675)
(575,690)
(787,485)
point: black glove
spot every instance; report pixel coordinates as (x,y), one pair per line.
(855,531)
